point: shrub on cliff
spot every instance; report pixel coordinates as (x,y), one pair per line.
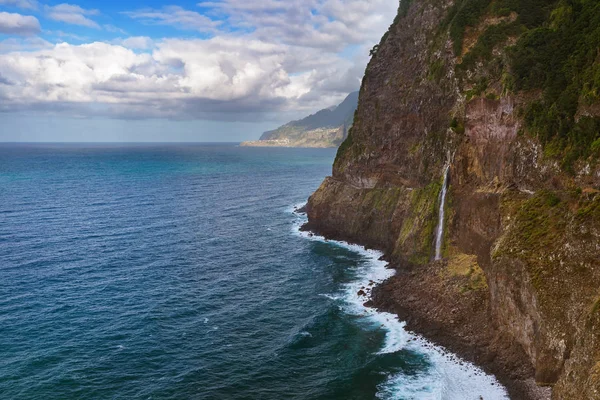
(556,54)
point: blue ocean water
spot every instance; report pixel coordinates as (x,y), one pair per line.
(176,272)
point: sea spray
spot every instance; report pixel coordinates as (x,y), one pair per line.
(448,378)
(439,238)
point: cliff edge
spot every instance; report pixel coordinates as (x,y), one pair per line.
(504,94)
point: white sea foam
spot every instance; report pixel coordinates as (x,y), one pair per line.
(330,296)
(449,378)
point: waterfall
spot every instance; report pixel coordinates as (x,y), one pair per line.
(440,228)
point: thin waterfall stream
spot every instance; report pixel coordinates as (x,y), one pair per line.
(440,228)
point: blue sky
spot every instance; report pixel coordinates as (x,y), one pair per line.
(155,70)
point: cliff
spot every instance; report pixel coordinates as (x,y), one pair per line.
(507,93)
(326,128)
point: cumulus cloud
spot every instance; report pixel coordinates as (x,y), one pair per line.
(23,44)
(276,57)
(72,14)
(177,17)
(180,78)
(136,42)
(26,4)
(17,24)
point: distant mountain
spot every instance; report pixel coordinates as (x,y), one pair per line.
(326,128)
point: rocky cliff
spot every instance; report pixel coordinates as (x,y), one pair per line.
(507,93)
(326,128)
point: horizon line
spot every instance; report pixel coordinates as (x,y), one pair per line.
(108,142)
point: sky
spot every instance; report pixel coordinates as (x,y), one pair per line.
(161,71)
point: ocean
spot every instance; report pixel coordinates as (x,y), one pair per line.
(178,271)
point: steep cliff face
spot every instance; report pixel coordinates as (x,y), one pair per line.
(522,226)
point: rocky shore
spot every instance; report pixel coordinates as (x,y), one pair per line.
(438,308)
(430,306)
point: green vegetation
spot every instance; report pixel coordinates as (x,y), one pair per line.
(489,39)
(404,6)
(437,70)
(457,126)
(480,87)
(416,234)
(346,144)
(465,267)
(374,50)
(554,59)
(464,13)
(541,223)
(382,200)
(402,12)
(541,231)
(557,55)
(561,60)
(468,13)
(590,210)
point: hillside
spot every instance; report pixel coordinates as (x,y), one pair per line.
(326,128)
(504,97)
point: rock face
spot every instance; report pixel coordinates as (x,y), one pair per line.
(326,128)
(518,291)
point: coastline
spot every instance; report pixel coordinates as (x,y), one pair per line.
(452,375)
(285,144)
(428,306)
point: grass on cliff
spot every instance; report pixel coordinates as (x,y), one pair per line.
(542,223)
(537,218)
(417,233)
(466,268)
(346,144)
(589,210)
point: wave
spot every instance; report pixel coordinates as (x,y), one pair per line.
(448,378)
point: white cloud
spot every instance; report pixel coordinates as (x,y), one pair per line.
(62,35)
(293,56)
(17,24)
(72,14)
(25,44)
(113,29)
(330,24)
(26,4)
(136,42)
(177,17)
(180,78)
